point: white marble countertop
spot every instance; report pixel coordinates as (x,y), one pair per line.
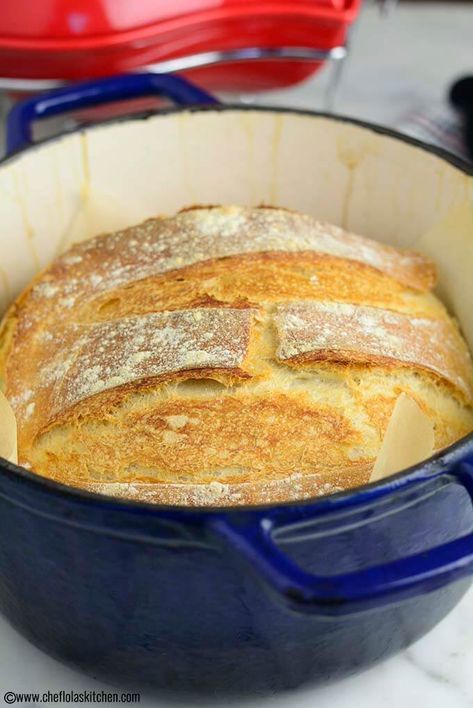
(395,66)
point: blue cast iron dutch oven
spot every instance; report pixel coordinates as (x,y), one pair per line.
(216,600)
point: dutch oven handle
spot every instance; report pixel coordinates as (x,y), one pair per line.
(96,93)
(352,592)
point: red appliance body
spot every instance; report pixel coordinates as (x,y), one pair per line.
(68,40)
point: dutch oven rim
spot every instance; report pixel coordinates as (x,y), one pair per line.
(454,453)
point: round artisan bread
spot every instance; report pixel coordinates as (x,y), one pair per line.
(227,356)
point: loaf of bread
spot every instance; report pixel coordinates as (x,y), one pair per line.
(227,356)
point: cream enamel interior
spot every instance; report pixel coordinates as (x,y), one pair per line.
(116,175)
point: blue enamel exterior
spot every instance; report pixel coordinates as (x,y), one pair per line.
(97,93)
(148,596)
(249,600)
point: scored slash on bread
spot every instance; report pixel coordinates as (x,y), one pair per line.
(339,332)
(179,354)
(166,345)
(111,355)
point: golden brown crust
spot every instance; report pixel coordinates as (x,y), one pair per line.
(161,246)
(264,278)
(178,357)
(294,487)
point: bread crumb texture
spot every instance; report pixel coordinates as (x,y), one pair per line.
(227,356)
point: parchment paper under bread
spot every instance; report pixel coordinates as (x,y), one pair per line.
(8,434)
(409,439)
